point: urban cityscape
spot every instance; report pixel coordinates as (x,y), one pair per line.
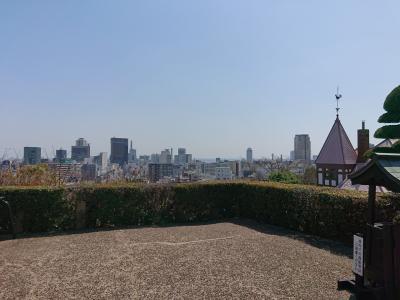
(124,163)
(214,149)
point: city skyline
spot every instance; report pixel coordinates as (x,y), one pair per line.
(13,153)
(215,77)
(67,152)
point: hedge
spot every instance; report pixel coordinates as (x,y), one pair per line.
(326,212)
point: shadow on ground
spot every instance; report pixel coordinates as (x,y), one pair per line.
(329,245)
(334,247)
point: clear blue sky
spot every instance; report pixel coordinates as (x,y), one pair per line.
(212,76)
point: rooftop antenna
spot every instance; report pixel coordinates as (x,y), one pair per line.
(338,96)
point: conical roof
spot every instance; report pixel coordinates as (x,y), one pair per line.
(337,149)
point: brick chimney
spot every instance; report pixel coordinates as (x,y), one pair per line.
(363,143)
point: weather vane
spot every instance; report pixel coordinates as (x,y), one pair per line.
(338,96)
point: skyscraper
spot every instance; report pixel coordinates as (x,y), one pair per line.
(132,154)
(166,156)
(291,156)
(101,161)
(182,157)
(61,155)
(249,155)
(32,155)
(302,147)
(81,150)
(119,151)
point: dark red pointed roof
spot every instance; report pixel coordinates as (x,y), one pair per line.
(337,149)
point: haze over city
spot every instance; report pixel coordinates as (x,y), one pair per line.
(215,77)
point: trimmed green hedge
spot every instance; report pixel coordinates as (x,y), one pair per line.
(37,209)
(326,212)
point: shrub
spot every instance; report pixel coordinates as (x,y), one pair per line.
(310,175)
(327,212)
(37,209)
(284,176)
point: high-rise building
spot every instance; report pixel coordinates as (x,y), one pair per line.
(165,157)
(102,162)
(32,155)
(188,158)
(61,155)
(182,158)
(119,151)
(181,151)
(302,147)
(249,155)
(291,156)
(155,158)
(132,154)
(81,150)
(89,172)
(159,171)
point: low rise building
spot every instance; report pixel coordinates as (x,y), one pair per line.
(67,172)
(337,157)
(223,173)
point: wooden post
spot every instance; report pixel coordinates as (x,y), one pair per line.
(371,204)
(388,263)
(370,225)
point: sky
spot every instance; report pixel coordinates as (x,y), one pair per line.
(213,76)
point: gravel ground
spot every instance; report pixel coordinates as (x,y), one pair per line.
(214,261)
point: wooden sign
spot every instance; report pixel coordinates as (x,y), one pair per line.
(358,255)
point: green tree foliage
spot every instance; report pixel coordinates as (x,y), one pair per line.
(283,176)
(310,175)
(392,116)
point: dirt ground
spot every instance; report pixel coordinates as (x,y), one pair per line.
(214,261)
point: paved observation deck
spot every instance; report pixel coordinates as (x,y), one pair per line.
(219,261)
